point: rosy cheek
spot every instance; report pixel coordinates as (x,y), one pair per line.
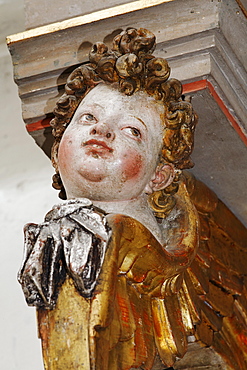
(132,165)
(64,154)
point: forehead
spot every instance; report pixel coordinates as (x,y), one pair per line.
(109,99)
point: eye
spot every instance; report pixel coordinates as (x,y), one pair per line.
(87,118)
(133,131)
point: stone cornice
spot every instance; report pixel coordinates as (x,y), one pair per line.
(193,36)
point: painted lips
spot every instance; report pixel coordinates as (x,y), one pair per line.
(97,146)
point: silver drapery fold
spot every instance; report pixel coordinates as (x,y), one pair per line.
(72,240)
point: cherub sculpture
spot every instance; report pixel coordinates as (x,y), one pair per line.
(115,270)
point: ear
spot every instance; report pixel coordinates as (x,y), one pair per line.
(163,177)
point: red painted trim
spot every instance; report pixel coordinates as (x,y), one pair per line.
(226,112)
(203,84)
(39,125)
(187,88)
(194,86)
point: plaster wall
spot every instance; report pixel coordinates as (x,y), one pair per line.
(25,195)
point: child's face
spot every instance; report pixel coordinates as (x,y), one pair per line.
(111,148)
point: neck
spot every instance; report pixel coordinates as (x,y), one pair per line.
(136,208)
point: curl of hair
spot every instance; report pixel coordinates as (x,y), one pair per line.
(135,41)
(158,71)
(130,63)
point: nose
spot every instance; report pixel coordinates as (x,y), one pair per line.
(103,129)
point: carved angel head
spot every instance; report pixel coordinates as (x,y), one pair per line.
(144,87)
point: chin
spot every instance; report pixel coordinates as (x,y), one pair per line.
(92,175)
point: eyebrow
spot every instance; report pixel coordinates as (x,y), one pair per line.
(88,110)
(98,105)
(139,119)
(90,106)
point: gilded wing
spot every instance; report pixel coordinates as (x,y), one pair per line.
(145,316)
(216,281)
(156,310)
